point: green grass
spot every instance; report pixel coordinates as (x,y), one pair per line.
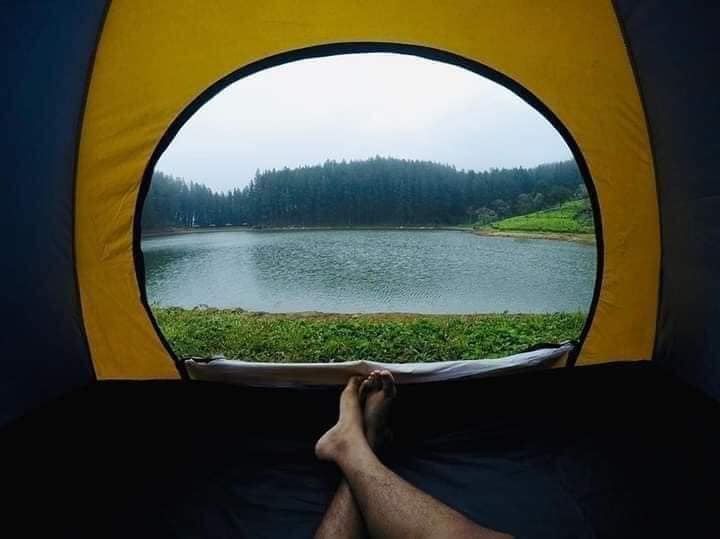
(286,338)
(573,217)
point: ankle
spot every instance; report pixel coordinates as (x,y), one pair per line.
(351,450)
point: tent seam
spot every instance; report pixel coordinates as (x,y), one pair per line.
(653,158)
(78,139)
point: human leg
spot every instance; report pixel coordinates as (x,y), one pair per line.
(342,518)
(390,506)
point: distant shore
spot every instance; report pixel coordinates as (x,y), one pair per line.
(202,230)
(485,231)
(559,236)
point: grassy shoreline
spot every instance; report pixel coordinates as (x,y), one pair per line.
(326,338)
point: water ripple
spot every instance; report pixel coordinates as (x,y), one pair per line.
(424,271)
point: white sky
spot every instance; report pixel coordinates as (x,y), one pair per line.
(354,107)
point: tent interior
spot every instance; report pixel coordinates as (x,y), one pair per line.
(617,450)
(104,432)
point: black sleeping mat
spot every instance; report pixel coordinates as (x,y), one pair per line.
(618,450)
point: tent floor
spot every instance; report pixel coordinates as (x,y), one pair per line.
(609,451)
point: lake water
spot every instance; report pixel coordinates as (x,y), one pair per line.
(348,271)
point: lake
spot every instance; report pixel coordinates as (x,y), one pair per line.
(362,271)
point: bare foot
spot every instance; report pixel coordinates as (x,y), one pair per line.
(377,392)
(348,431)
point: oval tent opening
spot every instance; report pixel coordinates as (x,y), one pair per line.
(367,208)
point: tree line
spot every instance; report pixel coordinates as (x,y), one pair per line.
(374,192)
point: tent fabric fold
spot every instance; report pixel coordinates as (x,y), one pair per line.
(298,374)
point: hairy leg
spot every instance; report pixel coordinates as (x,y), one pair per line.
(390,506)
(343,518)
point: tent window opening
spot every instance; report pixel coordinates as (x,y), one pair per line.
(367,207)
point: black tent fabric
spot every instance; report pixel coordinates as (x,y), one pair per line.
(605,451)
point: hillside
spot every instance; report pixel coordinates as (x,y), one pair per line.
(572,217)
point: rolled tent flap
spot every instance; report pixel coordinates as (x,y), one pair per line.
(298,374)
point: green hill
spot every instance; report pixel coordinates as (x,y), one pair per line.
(572,217)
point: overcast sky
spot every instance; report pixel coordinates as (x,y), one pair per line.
(354,107)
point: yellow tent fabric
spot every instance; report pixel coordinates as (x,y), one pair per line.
(154,59)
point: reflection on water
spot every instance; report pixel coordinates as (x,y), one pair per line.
(424,271)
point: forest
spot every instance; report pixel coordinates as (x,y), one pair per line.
(374,192)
